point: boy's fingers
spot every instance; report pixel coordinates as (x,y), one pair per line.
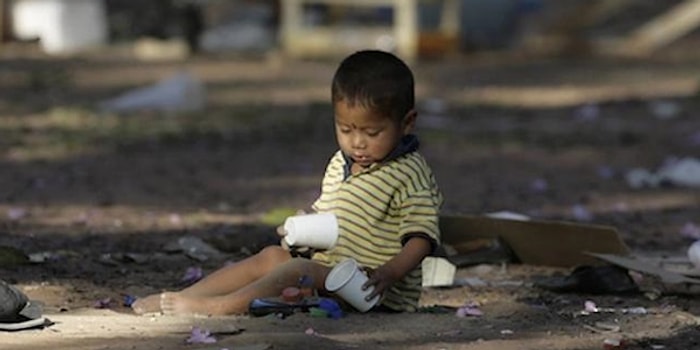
(281,231)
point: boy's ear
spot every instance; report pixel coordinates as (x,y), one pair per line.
(409,121)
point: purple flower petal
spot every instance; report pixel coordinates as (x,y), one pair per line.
(580,213)
(200,336)
(470,309)
(588,112)
(192,275)
(539,185)
(605,172)
(690,230)
(103,303)
(15,214)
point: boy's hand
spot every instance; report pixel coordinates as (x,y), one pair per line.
(413,252)
(381,278)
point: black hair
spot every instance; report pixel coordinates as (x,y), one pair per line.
(376,80)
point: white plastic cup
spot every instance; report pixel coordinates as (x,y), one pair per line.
(312,230)
(346,280)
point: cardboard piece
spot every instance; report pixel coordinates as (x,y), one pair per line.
(647,267)
(535,242)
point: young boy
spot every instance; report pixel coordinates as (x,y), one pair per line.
(380,188)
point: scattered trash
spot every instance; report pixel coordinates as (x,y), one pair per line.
(603,279)
(277,306)
(508,215)
(610,344)
(506,332)
(310,331)
(42,257)
(678,172)
(192,275)
(603,327)
(590,307)
(331,307)
(128,300)
(471,282)
(694,254)
(470,309)
(200,336)
(114,259)
(639,177)
(664,109)
(681,172)
(194,247)
(437,272)
(532,242)
(181,92)
(639,265)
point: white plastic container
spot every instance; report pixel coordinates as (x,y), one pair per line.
(312,230)
(62,26)
(346,280)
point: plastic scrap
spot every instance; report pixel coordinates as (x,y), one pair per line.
(194,247)
(331,307)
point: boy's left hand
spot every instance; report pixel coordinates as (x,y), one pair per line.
(381,278)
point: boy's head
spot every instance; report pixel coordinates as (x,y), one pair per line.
(373,100)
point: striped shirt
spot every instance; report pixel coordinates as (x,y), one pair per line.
(378,210)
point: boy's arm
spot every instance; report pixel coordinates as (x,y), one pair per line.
(412,253)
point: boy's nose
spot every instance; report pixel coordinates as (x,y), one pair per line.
(358,142)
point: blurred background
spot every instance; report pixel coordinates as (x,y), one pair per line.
(126,123)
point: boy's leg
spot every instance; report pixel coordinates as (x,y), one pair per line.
(239,274)
(224,280)
(270,285)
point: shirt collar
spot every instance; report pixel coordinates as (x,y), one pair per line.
(408,144)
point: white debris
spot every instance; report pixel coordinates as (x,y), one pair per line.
(664,109)
(180,92)
(681,172)
(694,254)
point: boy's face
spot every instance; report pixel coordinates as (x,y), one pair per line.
(367,136)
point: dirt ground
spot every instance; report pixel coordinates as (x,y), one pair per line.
(102,194)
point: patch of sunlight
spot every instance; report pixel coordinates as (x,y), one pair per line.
(277,216)
(118,219)
(571,95)
(631,202)
(64,132)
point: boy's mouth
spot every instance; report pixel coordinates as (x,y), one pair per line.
(363,161)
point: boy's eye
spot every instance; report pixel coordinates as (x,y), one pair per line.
(373,132)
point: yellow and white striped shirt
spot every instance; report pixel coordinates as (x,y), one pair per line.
(378,210)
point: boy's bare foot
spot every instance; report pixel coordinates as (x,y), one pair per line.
(147,305)
(179,304)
